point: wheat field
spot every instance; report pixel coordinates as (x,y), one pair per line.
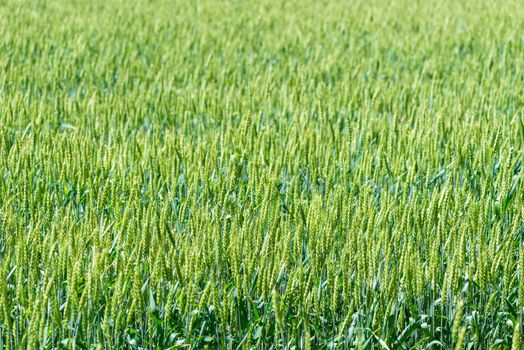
(261,174)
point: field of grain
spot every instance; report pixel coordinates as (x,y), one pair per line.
(261,174)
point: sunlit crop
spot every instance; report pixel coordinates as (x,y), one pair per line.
(261,174)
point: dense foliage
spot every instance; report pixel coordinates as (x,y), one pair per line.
(269,174)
